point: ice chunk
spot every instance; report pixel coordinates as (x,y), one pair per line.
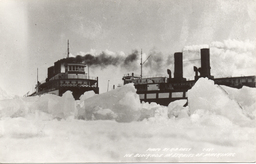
(123,101)
(161,114)
(48,103)
(245,97)
(207,96)
(104,114)
(177,109)
(58,107)
(87,95)
(20,128)
(12,108)
(46,106)
(148,110)
(4,95)
(67,105)
(153,112)
(27,107)
(206,118)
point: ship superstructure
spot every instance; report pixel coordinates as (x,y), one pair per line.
(67,74)
(164,90)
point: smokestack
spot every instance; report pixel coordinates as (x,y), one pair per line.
(178,67)
(205,63)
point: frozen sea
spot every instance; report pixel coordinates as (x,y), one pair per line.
(218,125)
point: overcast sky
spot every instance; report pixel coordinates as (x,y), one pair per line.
(33,33)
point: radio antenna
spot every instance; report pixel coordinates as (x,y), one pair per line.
(68,50)
(141,65)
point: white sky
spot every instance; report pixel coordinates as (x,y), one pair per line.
(33,33)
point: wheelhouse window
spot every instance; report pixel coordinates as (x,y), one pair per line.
(76,68)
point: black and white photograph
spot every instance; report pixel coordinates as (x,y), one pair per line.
(127,81)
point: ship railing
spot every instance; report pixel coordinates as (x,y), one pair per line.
(146,77)
(152,79)
(154,76)
(72,76)
(133,75)
(159,78)
(41,82)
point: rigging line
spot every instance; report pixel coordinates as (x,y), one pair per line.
(146,60)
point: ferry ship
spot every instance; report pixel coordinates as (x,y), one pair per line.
(164,90)
(67,74)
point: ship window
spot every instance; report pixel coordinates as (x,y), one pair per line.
(177,94)
(153,87)
(142,96)
(82,69)
(163,95)
(151,95)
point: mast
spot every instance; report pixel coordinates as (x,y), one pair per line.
(68,50)
(37,75)
(37,83)
(141,65)
(88,71)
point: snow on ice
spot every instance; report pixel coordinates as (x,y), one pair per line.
(4,95)
(213,98)
(218,125)
(121,104)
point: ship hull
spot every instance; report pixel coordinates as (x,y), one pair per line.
(77,91)
(164,93)
(60,86)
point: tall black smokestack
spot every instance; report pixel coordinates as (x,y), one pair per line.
(178,67)
(205,70)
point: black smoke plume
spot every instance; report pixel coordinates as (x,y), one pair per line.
(130,61)
(103,60)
